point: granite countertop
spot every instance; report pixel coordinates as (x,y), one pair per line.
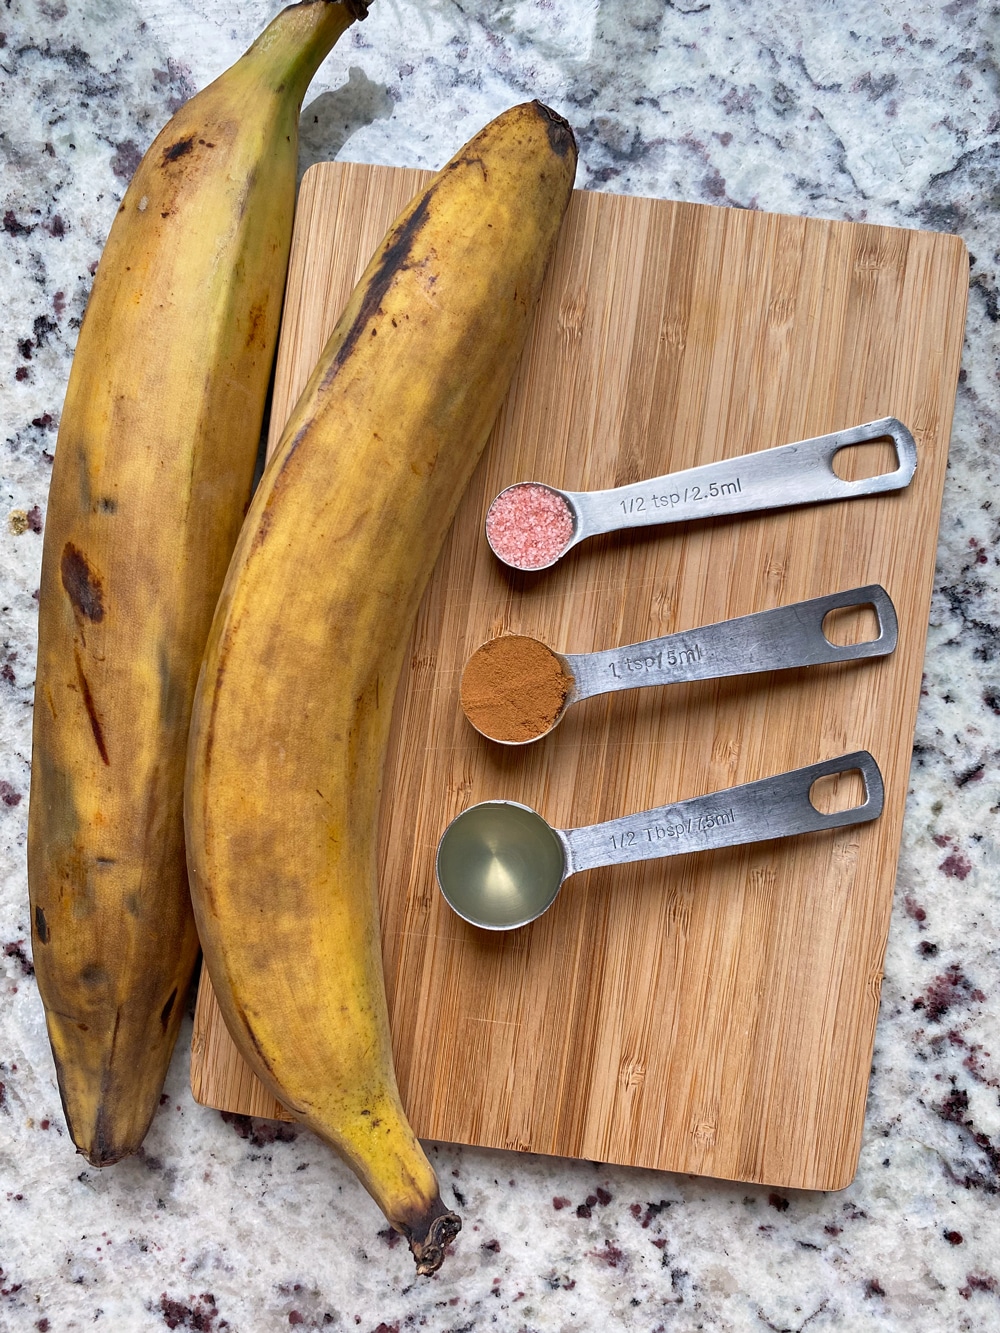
(848,110)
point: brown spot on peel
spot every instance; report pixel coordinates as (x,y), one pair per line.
(81,583)
(165,1011)
(256,322)
(104,1149)
(263,1070)
(88,701)
(560,133)
(41,926)
(393,259)
(179,149)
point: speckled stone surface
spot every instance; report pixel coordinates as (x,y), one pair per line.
(845,109)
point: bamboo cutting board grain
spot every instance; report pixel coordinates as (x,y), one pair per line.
(711,1013)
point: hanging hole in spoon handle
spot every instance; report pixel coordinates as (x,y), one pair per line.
(847,624)
(500,865)
(849,615)
(531,525)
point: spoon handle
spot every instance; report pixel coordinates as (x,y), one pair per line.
(791,474)
(788,636)
(771,808)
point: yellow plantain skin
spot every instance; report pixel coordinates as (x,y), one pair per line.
(291,717)
(152,475)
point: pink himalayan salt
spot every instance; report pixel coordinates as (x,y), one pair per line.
(529,526)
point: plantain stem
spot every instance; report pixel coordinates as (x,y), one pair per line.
(297,41)
(430,1237)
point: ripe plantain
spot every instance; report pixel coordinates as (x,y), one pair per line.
(291,718)
(152,474)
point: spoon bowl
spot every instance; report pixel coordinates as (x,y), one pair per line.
(500,865)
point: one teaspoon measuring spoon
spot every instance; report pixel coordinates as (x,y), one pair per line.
(531,525)
(500,865)
(515,688)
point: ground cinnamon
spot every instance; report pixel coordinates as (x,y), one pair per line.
(514,688)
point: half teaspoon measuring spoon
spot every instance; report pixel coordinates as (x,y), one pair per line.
(515,689)
(500,865)
(531,525)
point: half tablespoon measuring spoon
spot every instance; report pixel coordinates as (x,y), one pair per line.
(500,865)
(529,685)
(531,525)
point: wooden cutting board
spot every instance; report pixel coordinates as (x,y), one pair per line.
(711,1013)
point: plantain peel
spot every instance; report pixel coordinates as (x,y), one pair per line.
(152,474)
(291,718)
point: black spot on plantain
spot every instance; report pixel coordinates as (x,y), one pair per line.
(81,583)
(165,1011)
(469,162)
(394,258)
(104,1148)
(88,703)
(41,926)
(247,1031)
(179,149)
(561,138)
(95,975)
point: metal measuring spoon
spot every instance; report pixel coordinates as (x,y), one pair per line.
(531,525)
(500,865)
(532,686)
